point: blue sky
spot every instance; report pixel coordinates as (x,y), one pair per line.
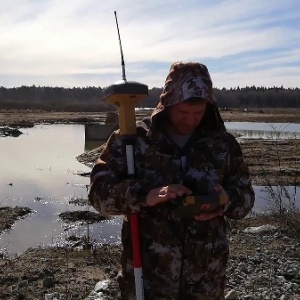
(74,43)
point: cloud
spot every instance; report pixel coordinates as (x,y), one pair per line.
(268,78)
(66,42)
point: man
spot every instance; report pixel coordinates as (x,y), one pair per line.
(182,150)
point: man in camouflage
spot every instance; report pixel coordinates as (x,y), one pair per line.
(183,149)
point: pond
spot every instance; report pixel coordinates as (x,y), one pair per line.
(39,170)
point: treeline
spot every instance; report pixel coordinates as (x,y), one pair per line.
(90,98)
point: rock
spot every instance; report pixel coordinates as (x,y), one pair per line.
(83,216)
(261,229)
(231,295)
(48,282)
(101,285)
(8,131)
(101,291)
(53,296)
(23,284)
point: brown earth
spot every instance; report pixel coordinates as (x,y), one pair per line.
(257,115)
(9,215)
(62,270)
(74,273)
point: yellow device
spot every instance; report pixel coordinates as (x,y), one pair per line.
(125,95)
(190,206)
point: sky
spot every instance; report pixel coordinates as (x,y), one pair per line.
(74,43)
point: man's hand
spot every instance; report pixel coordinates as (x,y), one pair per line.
(166,193)
(208,216)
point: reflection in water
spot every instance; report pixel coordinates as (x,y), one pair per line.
(264,201)
(41,166)
(266,135)
(273,131)
(251,130)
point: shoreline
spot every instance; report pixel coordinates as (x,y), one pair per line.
(9,118)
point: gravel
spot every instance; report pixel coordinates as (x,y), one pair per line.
(264,264)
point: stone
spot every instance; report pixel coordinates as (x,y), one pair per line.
(48,282)
(261,229)
(231,295)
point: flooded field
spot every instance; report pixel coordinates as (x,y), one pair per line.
(39,170)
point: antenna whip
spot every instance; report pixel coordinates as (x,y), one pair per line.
(122,57)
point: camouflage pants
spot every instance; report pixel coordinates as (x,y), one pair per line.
(197,282)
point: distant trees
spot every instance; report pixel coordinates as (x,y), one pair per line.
(258,97)
(90,98)
(53,98)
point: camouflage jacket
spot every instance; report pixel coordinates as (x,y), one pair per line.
(176,252)
(212,158)
(182,258)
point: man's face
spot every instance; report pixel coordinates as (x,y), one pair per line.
(185,117)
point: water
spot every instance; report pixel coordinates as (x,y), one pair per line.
(39,170)
(273,131)
(263,201)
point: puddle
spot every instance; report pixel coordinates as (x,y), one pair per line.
(39,170)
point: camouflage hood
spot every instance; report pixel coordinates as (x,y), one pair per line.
(185,81)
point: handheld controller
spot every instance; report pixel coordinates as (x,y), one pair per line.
(190,206)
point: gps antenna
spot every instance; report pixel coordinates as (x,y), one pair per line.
(125,95)
(121,50)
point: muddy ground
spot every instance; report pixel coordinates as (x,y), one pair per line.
(8,215)
(251,115)
(74,273)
